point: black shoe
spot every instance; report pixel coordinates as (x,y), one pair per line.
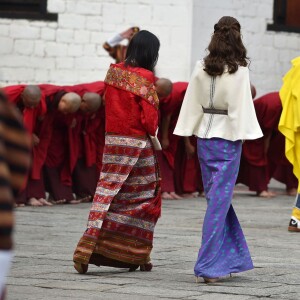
(294,225)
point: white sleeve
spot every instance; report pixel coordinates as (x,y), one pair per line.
(5,262)
(115,40)
(191,109)
(241,111)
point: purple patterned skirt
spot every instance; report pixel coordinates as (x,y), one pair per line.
(224,249)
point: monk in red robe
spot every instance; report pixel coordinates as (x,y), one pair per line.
(85,138)
(30,101)
(85,175)
(188,180)
(58,102)
(169,109)
(264,158)
(60,162)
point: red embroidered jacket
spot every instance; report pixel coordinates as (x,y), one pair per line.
(131,102)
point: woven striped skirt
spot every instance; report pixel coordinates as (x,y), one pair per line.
(126,205)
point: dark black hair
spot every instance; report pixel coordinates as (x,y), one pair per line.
(143,50)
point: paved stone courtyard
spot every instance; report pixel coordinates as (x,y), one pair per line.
(46,238)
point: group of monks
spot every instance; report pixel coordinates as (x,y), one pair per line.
(67,135)
(67,127)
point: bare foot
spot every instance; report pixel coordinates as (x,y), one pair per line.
(19,205)
(175,196)
(84,199)
(74,201)
(191,195)
(166,196)
(291,192)
(266,194)
(45,202)
(57,202)
(34,202)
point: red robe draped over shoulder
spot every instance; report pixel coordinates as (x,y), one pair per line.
(121,83)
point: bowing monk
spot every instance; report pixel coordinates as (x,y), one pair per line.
(29,99)
(87,138)
(170,108)
(264,158)
(85,175)
(59,161)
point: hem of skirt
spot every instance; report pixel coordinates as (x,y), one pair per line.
(124,259)
(239,270)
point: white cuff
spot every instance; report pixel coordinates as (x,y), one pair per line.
(5,262)
(115,40)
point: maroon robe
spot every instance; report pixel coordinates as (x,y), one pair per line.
(43,130)
(166,157)
(87,138)
(258,166)
(30,116)
(187,169)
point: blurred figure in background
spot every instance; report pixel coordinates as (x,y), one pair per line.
(14,165)
(289,126)
(114,47)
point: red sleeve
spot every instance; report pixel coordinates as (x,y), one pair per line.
(149,117)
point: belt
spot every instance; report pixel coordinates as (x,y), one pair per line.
(215,111)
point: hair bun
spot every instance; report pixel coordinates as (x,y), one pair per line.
(225,28)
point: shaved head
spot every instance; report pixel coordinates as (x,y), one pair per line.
(31,96)
(90,102)
(69,103)
(163,87)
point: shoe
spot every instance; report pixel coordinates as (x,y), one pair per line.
(294,225)
(146,268)
(211,280)
(133,268)
(81,268)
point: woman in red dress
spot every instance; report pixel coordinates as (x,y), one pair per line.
(127,202)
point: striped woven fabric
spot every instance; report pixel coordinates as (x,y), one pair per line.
(126,204)
(14,164)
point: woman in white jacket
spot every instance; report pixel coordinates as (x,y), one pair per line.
(219,110)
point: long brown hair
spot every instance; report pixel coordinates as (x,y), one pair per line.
(226,48)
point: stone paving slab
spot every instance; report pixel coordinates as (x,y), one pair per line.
(46,238)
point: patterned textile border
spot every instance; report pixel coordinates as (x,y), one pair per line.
(130,221)
(132,82)
(126,205)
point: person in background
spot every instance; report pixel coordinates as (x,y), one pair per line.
(114,47)
(264,158)
(14,165)
(289,126)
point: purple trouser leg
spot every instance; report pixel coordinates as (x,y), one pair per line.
(224,249)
